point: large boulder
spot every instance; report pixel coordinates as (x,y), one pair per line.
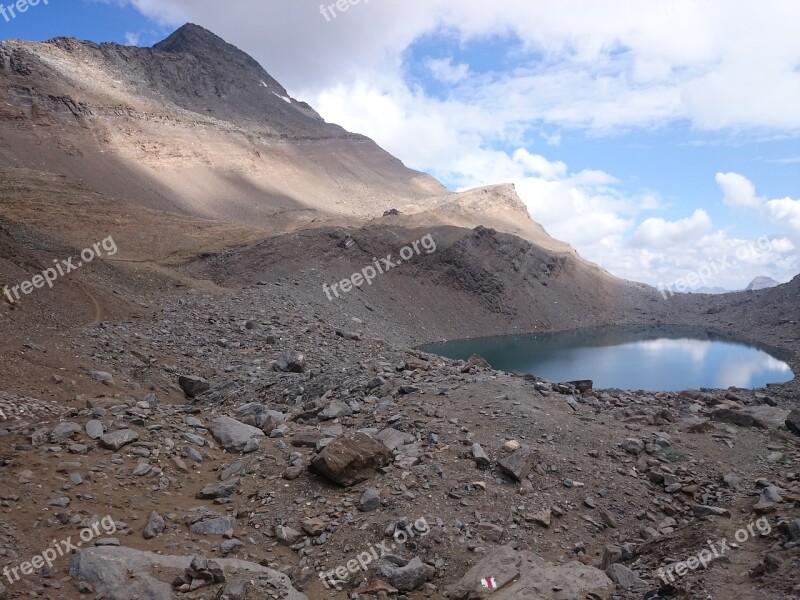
(193,386)
(506,574)
(233,435)
(351,459)
(120,573)
(762,417)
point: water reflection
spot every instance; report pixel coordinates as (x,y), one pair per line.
(647,358)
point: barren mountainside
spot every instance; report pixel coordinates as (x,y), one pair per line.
(224,427)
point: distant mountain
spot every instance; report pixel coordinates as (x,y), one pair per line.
(711,290)
(761,283)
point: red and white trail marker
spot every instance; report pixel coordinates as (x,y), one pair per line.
(489,583)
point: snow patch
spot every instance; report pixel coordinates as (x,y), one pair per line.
(284,98)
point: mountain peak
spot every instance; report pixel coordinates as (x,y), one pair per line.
(190,38)
(761,283)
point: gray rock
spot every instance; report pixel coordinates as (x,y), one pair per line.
(59,502)
(233,435)
(102,377)
(334,410)
(288,535)
(526,575)
(63,431)
(118,439)
(370,500)
(230,546)
(290,362)
(236,590)
(700,510)
(213,525)
(195,439)
(633,446)
(120,573)
(794,530)
(479,456)
(194,455)
(212,491)
(762,417)
(95,429)
(155,526)
(793,422)
(623,576)
(394,438)
(405,579)
(193,385)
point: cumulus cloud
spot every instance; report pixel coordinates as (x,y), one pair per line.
(738,191)
(607,64)
(660,232)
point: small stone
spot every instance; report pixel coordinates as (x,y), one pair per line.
(314,527)
(155,526)
(118,439)
(542,517)
(633,446)
(479,456)
(700,510)
(95,429)
(288,535)
(370,500)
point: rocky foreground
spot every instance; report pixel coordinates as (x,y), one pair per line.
(245,447)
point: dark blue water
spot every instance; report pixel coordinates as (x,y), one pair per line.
(633,358)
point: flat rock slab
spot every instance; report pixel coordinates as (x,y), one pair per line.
(351,459)
(762,417)
(233,435)
(394,438)
(117,439)
(527,576)
(119,573)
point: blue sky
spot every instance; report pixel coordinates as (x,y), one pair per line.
(651,136)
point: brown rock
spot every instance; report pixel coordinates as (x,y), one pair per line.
(351,459)
(518,464)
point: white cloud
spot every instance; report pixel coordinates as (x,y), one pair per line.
(785,211)
(539,165)
(738,191)
(657,232)
(445,71)
(611,64)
